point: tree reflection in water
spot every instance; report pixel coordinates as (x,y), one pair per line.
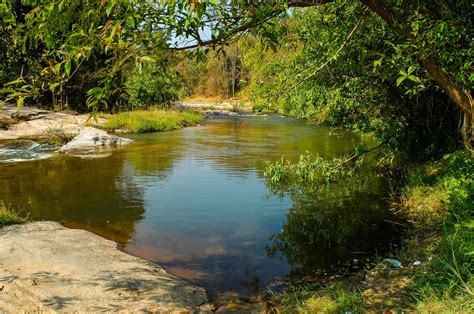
(331,225)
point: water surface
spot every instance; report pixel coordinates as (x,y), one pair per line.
(195,201)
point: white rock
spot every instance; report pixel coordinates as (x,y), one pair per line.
(416,263)
(92,137)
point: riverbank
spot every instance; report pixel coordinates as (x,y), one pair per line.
(94,187)
(210,104)
(34,123)
(48,267)
(436,253)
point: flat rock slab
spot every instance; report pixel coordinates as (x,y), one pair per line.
(38,123)
(9,111)
(46,267)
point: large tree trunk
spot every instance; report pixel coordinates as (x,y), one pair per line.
(460,97)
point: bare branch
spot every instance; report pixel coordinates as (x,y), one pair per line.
(234,32)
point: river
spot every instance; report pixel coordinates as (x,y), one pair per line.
(195,201)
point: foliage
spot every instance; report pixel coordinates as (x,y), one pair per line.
(77,50)
(154,120)
(378,83)
(358,89)
(310,172)
(8,216)
(438,200)
(339,206)
(216,74)
(56,136)
(152,87)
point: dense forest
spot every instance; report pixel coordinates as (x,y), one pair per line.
(401,71)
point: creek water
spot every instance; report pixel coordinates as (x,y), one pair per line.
(195,201)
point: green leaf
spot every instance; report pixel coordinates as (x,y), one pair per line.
(57,68)
(378,63)
(413,78)
(400,79)
(131,21)
(94,90)
(67,67)
(19,102)
(147,58)
(15,82)
(109,8)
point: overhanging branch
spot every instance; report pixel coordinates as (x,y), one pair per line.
(329,60)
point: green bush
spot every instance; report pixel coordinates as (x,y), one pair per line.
(152,87)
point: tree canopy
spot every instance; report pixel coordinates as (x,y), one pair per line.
(64,51)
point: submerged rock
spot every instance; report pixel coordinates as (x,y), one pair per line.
(92,137)
(45,267)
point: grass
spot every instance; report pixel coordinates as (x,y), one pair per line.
(438,204)
(9,217)
(439,199)
(151,120)
(55,136)
(336,299)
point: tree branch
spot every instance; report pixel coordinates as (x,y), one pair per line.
(358,155)
(329,60)
(234,32)
(304,4)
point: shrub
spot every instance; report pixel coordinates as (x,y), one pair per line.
(152,87)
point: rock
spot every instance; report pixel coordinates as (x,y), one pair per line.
(416,263)
(220,113)
(92,137)
(393,263)
(48,268)
(34,122)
